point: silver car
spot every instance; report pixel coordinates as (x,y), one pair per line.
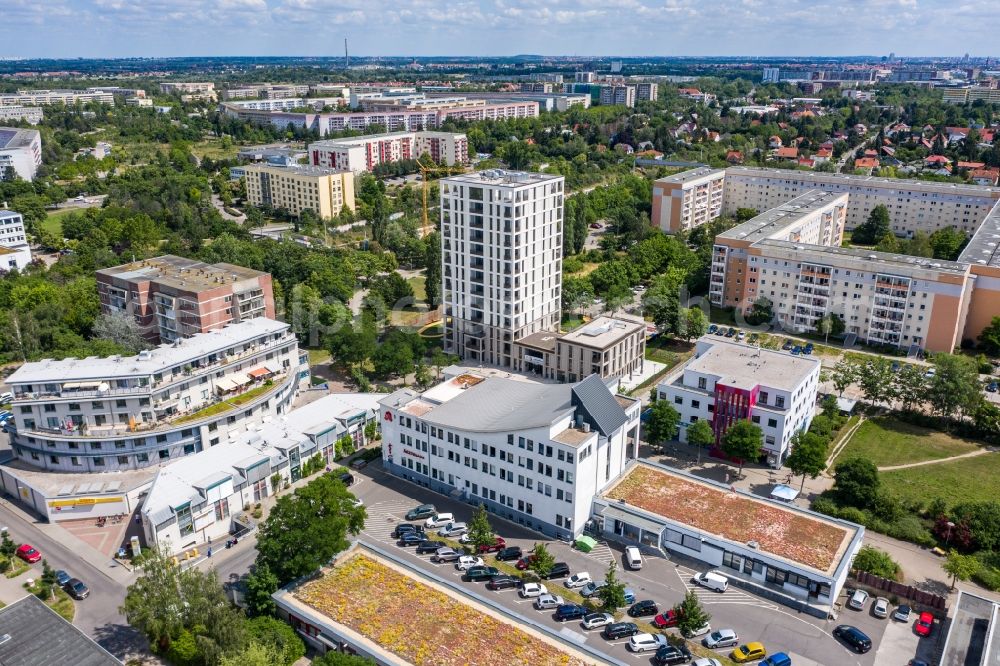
(595,620)
(881,608)
(547,601)
(721,638)
(445,555)
(453,530)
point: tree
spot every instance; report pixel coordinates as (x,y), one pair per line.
(743,441)
(911,386)
(830,324)
(340,659)
(960,567)
(947,243)
(954,388)
(844,374)
(307,528)
(690,615)
(875,561)
(808,456)
(662,301)
(874,228)
(612,593)
(989,338)
(432,262)
(856,482)
(253,654)
(121,329)
(661,426)
(761,312)
(541,560)
(260,584)
(696,323)
(700,435)
(480,530)
(877,381)
(279,638)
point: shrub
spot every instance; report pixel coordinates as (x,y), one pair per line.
(988,577)
(877,562)
(911,528)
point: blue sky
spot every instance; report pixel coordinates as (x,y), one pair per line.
(115,28)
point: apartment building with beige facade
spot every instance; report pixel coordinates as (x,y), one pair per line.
(688,199)
(363,153)
(607,346)
(297,188)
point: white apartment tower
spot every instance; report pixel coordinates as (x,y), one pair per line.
(501,260)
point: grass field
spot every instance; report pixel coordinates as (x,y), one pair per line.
(319,357)
(419,284)
(889,442)
(969,479)
(53,222)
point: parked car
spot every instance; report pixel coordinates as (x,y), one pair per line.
(439,520)
(6,416)
(930,373)
(548,601)
(62,577)
(668,655)
(777,659)
(721,638)
(712,329)
(591,589)
(76,589)
(796,350)
(559,570)
(525,562)
(713,580)
(731,332)
(666,619)
(629,596)
(532,590)
(902,613)
(445,554)
(480,573)
(28,553)
(568,612)
(403,528)
(6,398)
(411,539)
(619,630)
(924,624)
(754,337)
(502,583)
(741,335)
(854,638)
(595,620)
(346,478)
(788,345)
(706,661)
(633,558)
(425,547)
(858,600)
(881,608)
(992,387)
(700,631)
(643,608)
(495,547)
(509,553)
(749,652)
(646,642)
(466,562)
(578,579)
(453,530)
(422,511)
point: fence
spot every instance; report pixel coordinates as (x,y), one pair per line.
(918,597)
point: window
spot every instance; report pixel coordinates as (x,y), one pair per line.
(122,460)
(678,400)
(772,423)
(222,509)
(184,522)
(702,383)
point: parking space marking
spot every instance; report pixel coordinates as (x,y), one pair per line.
(732,596)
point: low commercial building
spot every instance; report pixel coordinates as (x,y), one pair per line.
(123,413)
(294,189)
(973,633)
(20,150)
(32,634)
(607,346)
(727,382)
(791,555)
(14,249)
(533,453)
(67,97)
(363,153)
(172,297)
(29,114)
(688,199)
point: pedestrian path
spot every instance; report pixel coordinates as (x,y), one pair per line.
(733,596)
(971,454)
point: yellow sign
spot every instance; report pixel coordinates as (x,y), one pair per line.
(85,501)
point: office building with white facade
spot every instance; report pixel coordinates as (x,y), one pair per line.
(125,413)
(14,249)
(67,97)
(730,381)
(363,153)
(533,453)
(20,150)
(501,260)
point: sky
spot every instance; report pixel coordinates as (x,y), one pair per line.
(162,28)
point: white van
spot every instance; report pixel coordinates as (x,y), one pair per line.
(633,558)
(713,580)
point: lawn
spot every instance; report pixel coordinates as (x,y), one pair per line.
(418,283)
(668,351)
(53,222)
(572,321)
(724,316)
(887,442)
(319,357)
(969,479)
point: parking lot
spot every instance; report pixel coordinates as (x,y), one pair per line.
(807,639)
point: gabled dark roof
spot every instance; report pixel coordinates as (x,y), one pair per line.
(599,406)
(40,637)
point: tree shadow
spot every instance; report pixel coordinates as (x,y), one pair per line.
(121,640)
(934,586)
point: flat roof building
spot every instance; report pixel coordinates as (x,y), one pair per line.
(620,95)
(20,150)
(170,87)
(296,188)
(973,633)
(363,153)
(173,297)
(35,635)
(67,97)
(687,199)
(15,252)
(29,114)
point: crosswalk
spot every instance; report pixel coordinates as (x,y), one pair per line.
(733,596)
(601,552)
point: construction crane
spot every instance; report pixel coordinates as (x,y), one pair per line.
(424,171)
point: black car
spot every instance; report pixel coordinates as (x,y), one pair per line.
(476,574)
(509,553)
(430,547)
(731,332)
(346,478)
(619,630)
(503,583)
(411,539)
(403,528)
(422,511)
(568,612)
(559,570)
(643,609)
(672,654)
(855,639)
(77,589)
(788,345)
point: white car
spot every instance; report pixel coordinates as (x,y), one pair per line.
(6,397)
(548,601)
(467,561)
(646,642)
(706,661)
(577,580)
(721,638)
(858,600)
(591,589)
(439,520)
(595,620)
(902,613)
(453,530)
(700,631)
(357,502)
(881,608)
(532,590)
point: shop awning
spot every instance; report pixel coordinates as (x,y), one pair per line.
(629,518)
(85,386)
(258,373)
(225,385)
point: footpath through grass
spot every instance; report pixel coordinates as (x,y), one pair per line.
(887,441)
(969,479)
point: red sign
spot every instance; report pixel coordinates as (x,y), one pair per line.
(387,417)
(413,453)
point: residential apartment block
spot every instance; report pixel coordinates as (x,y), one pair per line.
(173,297)
(607,346)
(363,153)
(502,260)
(533,453)
(29,114)
(296,188)
(727,382)
(171,87)
(15,252)
(67,97)
(971,94)
(121,413)
(688,199)
(647,92)
(618,95)
(20,150)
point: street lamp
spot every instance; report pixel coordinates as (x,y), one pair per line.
(947,540)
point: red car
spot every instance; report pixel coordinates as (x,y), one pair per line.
(28,553)
(668,618)
(525,562)
(924,624)
(495,547)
